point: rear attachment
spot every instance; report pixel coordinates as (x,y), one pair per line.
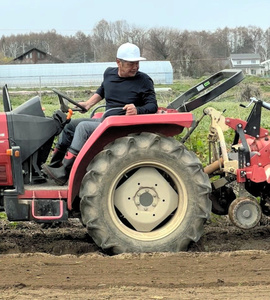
(219,83)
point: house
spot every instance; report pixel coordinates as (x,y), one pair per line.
(35,56)
(249,63)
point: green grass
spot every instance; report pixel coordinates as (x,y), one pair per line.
(50,99)
(11,225)
(3,216)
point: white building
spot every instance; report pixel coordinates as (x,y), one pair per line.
(74,74)
(249,63)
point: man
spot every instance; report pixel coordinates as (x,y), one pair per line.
(124,86)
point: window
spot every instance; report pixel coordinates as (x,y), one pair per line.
(40,55)
(253,61)
(239,62)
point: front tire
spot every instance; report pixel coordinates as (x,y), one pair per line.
(145,193)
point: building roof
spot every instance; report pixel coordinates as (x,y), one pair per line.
(249,66)
(20,57)
(245,56)
(29,51)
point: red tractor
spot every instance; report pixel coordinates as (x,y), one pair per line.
(133,185)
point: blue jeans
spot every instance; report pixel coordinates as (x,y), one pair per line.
(76,133)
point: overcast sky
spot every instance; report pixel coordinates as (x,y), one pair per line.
(70,16)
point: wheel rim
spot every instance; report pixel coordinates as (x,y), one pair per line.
(245,213)
(147,201)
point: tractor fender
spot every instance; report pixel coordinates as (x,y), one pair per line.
(113,127)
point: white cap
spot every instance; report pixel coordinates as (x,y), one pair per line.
(129,52)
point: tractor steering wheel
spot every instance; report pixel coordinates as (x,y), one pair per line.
(63,104)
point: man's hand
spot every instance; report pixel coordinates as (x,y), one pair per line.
(83,104)
(94,99)
(130,109)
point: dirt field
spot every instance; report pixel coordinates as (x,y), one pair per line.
(61,262)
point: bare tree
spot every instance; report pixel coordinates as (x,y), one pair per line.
(13,47)
(108,37)
(103,42)
(256,38)
(265,45)
(192,53)
(4,46)
(158,43)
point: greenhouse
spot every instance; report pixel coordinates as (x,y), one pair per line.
(75,74)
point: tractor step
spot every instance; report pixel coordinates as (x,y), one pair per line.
(47,210)
(39,210)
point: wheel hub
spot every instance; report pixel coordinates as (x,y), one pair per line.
(146,199)
(246,213)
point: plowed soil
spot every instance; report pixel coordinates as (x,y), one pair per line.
(62,262)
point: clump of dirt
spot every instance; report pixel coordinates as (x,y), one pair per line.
(221,235)
(62,262)
(71,237)
(58,239)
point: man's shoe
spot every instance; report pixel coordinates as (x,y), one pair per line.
(60,175)
(57,157)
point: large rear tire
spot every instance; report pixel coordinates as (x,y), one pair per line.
(145,193)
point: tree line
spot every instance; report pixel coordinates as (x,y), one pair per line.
(191,53)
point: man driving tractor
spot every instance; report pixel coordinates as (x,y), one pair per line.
(123,86)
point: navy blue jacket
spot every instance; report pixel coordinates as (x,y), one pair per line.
(119,91)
